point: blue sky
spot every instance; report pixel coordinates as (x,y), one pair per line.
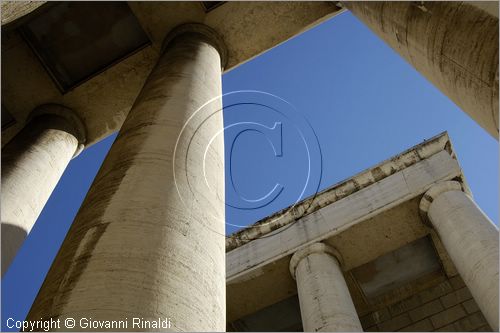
(361,101)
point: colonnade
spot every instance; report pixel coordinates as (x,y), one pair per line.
(32,163)
(469,237)
(148,240)
(148,244)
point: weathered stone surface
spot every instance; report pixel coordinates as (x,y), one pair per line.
(348,212)
(340,191)
(448,316)
(425,305)
(137,248)
(32,164)
(325,302)
(248,29)
(471,240)
(13,10)
(362,222)
(454,44)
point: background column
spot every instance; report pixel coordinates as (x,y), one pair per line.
(454,44)
(32,163)
(471,240)
(148,241)
(325,302)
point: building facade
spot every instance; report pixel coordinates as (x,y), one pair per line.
(399,247)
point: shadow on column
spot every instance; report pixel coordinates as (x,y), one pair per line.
(12,239)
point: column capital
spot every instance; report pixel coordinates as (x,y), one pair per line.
(211,36)
(310,249)
(76,125)
(432,193)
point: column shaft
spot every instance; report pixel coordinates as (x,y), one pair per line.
(32,163)
(471,240)
(454,44)
(136,248)
(325,302)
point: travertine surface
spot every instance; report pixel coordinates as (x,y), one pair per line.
(249,259)
(32,164)
(471,240)
(325,302)
(341,190)
(439,304)
(378,208)
(367,217)
(453,44)
(13,10)
(137,248)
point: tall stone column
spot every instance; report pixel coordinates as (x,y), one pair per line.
(148,241)
(32,163)
(325,302)
(471,240)
(454,44)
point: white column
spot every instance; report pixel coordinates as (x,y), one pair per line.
(148,241)
(471,240)
(325,302)
(454,44)
(32,164)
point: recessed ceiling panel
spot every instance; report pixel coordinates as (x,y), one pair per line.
(77,40)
